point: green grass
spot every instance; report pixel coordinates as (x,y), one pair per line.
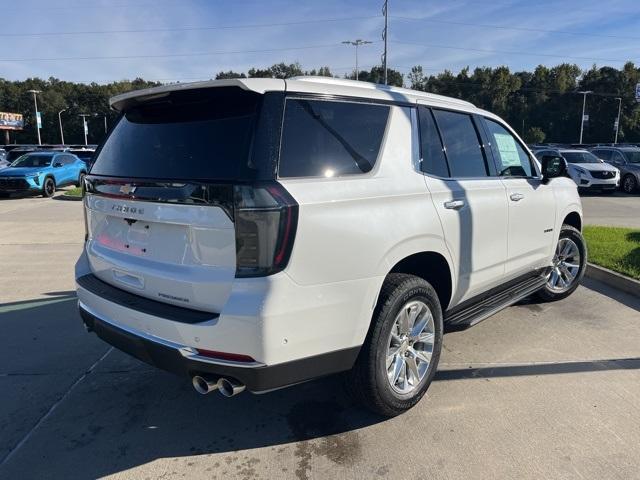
(73,192)
(615,248)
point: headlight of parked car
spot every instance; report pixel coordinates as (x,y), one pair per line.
(581,171)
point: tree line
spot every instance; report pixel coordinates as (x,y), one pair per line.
(543,105)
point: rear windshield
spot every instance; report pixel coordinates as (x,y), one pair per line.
(188,135)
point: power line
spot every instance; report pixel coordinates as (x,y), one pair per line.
(503,27)
(169,55)
(187,29)
(508,52)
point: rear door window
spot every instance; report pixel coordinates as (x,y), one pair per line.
(462,144)
(327,138)
(434,161)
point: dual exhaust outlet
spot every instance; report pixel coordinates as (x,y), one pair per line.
(225,386)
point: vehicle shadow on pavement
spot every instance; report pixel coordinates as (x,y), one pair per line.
(621,297)
(123,413)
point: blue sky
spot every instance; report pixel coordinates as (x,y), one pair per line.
(437,34)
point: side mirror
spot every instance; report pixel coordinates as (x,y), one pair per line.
(553,166)
(57,165)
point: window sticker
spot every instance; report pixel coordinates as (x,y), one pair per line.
(508,150)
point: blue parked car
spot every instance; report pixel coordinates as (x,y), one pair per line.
(42,172)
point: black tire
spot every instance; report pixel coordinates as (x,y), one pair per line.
(48,187)
(81,179)
(546,293)
(367,381)
(629,184)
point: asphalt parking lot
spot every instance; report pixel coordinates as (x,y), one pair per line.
(537,391)
(617,210)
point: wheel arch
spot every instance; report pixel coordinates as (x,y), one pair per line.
(431,266)
(574,219)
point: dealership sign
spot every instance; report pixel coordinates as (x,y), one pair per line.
(11,121)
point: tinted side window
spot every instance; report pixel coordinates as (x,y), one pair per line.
(618,157)
(513,160)
(541,153)
(434,161)
(603,154)
(326,139)
(462,144)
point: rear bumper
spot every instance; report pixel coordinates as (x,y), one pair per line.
(184,360)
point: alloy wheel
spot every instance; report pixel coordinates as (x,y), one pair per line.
(629,184)
(49,187)
(566,266)
(410,347)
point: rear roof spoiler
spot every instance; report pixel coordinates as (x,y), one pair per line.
(258,85)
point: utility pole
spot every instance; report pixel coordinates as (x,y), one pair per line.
(38,121)
(84,125)
(60,124)
(385,34)
(356,43)
(584,102)
(618,119)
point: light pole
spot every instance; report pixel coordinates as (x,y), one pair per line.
(385,34)
(60,124)
(618,119)
(105,121)
(584,102)
(35,103)
(85,128)
(356,43)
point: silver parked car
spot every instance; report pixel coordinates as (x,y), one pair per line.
(627,160)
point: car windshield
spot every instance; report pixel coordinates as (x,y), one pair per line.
(632,156)
(580,157)
(31,160)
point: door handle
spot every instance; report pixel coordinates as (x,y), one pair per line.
(516,197)
(454,204)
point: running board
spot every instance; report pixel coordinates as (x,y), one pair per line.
(472,312)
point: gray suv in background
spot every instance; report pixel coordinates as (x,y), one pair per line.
(627,160)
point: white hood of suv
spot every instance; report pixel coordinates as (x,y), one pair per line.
(594,167)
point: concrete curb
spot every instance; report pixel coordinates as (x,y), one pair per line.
(613,279)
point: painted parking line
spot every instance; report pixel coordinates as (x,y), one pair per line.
(16,306)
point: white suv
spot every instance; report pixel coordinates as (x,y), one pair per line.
(257,233)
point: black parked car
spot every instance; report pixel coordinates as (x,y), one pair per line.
(627,160)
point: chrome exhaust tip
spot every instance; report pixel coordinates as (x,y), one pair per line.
(204,385)
(229,387)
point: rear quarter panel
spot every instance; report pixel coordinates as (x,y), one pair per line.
(357,228)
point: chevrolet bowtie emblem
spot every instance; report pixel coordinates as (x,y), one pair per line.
(127,189)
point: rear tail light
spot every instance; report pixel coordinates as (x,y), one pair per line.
(266,218)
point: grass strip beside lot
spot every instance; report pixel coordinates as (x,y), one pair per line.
(615,248)
(73,192)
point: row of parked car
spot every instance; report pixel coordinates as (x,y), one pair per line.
(599,168)
(42,168)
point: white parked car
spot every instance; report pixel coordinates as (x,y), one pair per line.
(588,171)
(258,233)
